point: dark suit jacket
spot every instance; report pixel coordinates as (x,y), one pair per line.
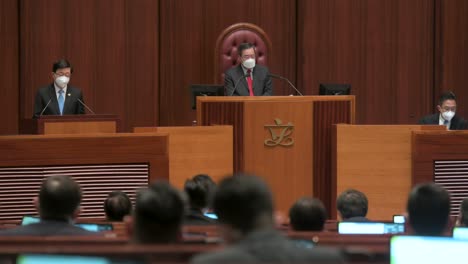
(71,106)
(356,219)
(48,228)
(269,247)
(262,84)
(457,123)
(196,217)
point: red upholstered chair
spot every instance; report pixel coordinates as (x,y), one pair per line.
(226,47)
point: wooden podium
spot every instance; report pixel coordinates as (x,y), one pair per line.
(285,139)
(71,124)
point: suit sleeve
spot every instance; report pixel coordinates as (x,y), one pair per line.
(268,86)
(38,105)
(228,84)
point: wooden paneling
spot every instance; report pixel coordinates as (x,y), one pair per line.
(383,48)
(9,66)
(189,30)
(112,44)
(452,39)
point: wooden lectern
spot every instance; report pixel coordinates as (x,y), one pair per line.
(285,139)
(71,124)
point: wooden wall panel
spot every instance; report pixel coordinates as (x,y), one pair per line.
(383,48)
(189,30)
(112,44)
(452,39)
(9,66)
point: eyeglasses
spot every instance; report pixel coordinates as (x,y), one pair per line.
(245,57)
(63,74)
(446,108)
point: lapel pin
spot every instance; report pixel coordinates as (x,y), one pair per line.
(69,94)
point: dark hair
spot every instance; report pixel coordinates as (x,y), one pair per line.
(241,200)
(197,194)
(159,211)
(464,213)
(448,95)
(117,205)
(209,185)
(59,197)
(352,203)
(244,46)
(308,214)
(61,64)
(428,209)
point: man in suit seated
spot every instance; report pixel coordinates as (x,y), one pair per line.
(158,215)
(247,78)
(446,114)
(198,194)
(352,206)
(428,210)
(59,98)
(117,205)
(308,214)
(244,206)
(58,206)
(462,219)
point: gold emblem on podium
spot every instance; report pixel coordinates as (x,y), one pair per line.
(280,134)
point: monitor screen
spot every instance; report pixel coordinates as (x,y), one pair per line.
(427,250)
(93,227)
(334,89)
(211,215)
(399,219)
(370,228)
(52,259)
(460,232)
(205,90)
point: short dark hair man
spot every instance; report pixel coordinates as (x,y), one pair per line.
(308,214)
(352,206)
(59,98)
(198,194)
(428,209)
(247,78)
(463,216)
(117,205)
(158,214)
(58,205)
(446,107)
(244,206)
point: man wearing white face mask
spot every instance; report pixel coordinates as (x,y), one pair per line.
(247,78)
(59,98)
(446,116)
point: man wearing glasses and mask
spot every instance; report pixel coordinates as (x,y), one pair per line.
(446,116)
(59,98)
(247,78)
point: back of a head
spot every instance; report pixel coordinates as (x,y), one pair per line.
(244,202)
(59,198)
(117,206)
(307,214)
(352,203)
(428,209)
(158,215)
(448,95)
(197,194)
(464,213)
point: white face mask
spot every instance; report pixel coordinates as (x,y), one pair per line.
(62,81)
(249,63)
(448,115)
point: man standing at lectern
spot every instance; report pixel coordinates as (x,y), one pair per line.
(58,98)
(446,114)
(247,78)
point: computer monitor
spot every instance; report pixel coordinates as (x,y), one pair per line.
(93,227)
(205,90)
(334,89)
(60,259)
(370,228)
(427,250)
(460,232)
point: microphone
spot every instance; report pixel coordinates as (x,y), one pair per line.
(45,107)
(89,109)
(237,82)
(285,79)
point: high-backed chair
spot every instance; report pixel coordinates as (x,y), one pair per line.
(226,54)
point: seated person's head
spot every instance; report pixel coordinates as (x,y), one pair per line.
(199,191)
(428,209)
(463,217)
(117,205)
(158,214)
(352,203)
(243,204)
(59,198)
(307,214)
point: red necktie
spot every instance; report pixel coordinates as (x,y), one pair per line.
(249,82)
